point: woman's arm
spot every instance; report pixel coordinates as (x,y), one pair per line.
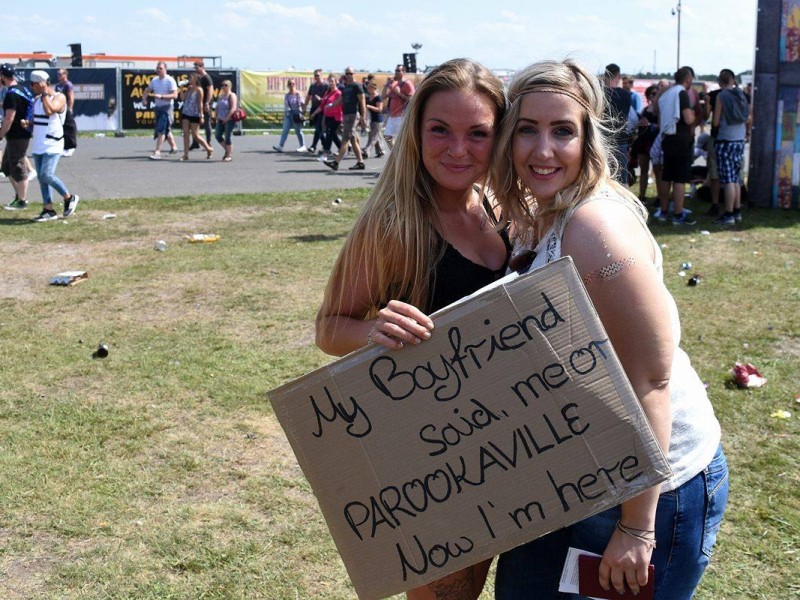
(614,255)
(200,103)
(344,330)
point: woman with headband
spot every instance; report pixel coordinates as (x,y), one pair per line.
(553,177)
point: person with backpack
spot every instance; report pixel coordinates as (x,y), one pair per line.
(47,145)
(729,128)
(17,108)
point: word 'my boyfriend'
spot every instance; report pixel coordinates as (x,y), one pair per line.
(445,373)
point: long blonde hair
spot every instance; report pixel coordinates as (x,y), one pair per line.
(516,202)
(395,234)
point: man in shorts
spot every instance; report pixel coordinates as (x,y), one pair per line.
(396,94)
(354,107)
(676,121)
(17,109)
(164,90)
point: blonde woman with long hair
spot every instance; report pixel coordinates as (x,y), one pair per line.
(555,182)
(426,236)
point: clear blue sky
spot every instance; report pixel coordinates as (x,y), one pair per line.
(373,34)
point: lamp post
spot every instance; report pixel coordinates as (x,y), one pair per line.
(677,11)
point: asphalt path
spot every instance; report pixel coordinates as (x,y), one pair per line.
(109,167)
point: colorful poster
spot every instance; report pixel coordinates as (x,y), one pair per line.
(786,187)
(790,31)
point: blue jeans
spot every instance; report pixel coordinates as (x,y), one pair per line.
(687,522)
(287,125)
(223,131)
(46,168)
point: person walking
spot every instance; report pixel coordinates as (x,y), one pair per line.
(333,114)
(354,109)
(375,110)
(64,86)
(49,114)
(164,91)
(17,107)
(314,96)
(292,117)
(227,103)
(192,117)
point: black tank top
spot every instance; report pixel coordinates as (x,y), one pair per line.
(456,276)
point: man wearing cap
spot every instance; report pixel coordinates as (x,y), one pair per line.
(164,90)
(16,108)
(47,145)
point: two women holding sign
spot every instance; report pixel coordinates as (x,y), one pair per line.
(428,235)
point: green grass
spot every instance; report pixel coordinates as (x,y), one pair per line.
(160,472)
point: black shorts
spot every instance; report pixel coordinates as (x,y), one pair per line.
(14,165)
(678,159)
(190,119)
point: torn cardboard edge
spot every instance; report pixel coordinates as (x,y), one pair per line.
(515,419)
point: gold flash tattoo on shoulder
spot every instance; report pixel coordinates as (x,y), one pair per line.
(615,268)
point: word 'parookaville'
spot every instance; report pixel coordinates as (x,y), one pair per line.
(408,499)
(444,373)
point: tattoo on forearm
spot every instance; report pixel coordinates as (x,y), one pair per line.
(457,586)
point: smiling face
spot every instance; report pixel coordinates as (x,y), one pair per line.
(548,143)
(457,134)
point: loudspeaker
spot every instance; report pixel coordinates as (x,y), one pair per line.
(410,62)
(77,55)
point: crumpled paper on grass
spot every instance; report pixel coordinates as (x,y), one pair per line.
(747,376)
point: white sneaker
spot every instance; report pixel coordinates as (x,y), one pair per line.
(155,156)
(31,175)
(302,150)
(2,174)
(69,152)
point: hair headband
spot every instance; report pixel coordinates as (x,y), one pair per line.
(544,88)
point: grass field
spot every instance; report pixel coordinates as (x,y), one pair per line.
(161,472)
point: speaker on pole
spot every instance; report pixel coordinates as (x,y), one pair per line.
(77,55)
(410,62)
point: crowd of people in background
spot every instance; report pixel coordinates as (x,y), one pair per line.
(655,137)
(667,132)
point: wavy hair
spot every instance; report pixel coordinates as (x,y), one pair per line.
(395,233)
(569,78)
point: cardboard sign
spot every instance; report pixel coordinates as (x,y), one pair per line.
(515,419)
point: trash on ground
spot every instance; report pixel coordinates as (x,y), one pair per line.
(337,201)
(687,266)
(109,216)
(664,246)
(69,278)
(781,414)
(101,352)
(681,273)
(705,232)
(694,280)
(161,246)
(202,238)
(747,376)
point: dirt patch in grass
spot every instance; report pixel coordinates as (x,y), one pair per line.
(788,346)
